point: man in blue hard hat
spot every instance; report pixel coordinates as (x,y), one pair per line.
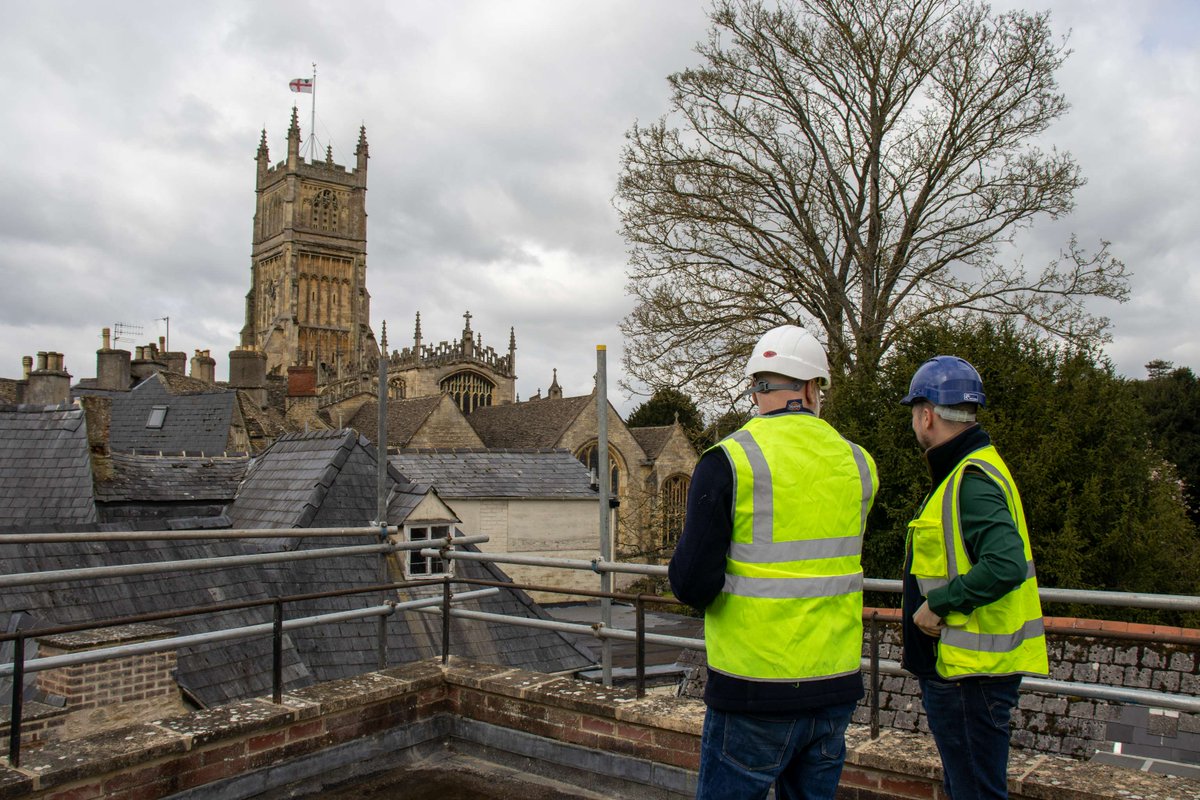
(972,621)
(771,552)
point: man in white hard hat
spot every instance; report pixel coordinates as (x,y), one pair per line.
(771,552)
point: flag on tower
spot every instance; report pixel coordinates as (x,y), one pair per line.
(302,85)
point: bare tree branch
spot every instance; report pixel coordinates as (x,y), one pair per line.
(856,166)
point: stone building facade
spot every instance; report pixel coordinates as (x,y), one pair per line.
(308,302)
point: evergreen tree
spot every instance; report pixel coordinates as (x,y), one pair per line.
(1104,509)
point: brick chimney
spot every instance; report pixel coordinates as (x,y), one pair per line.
(112,366)
(302,387)
(49,384)
(110,694)
(204,367)
(248,372)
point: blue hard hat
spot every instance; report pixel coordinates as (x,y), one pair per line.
(945,381)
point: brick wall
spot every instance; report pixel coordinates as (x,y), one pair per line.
(89,698)
(237,750)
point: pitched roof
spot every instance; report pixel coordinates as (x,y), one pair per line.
(45,466)
(404,418)
(287,484)
(238,669)
(215,673)
(526,474)
(155,478)
(196,422)
(534,423)
(653,438)
(320,479)
(262,424)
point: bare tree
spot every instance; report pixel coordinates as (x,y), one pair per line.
(856,165)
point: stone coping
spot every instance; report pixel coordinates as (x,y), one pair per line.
(1086,627)
(899,756)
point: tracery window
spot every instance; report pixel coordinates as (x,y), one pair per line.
(590,456)
(470,390)
(325,210)
(673,508)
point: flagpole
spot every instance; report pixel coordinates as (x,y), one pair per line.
(312,126)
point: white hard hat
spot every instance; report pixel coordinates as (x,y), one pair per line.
(792,351)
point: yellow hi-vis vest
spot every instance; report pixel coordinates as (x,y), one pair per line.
(1006,637)
(791,607)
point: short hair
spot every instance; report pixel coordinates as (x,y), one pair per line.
(959,412)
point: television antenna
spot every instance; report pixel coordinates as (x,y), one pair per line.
(125,332)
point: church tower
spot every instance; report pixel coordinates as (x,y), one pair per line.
(308,302)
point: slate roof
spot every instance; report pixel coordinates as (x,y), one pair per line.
(262,424)
(524,474)
(328,478)
(534,423)
(214,673)
(653,438)
(288,484)
(404,418)
(196,422)
(45,466)
(155,478)
(321,479)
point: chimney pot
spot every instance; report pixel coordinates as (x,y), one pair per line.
(26,365)
(106,335)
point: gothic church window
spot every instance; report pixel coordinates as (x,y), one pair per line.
(590,457)
(325,210)
(673,506)
(469,390)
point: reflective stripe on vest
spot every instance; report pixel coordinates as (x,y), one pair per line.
(993,642)
(1004,637)
(791,605)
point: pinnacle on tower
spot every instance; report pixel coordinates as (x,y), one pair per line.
(263,152)
(383,339)
(295,126)
(329,154)
(361,152)
(417,332)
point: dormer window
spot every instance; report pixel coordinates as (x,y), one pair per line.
(420,566)
(157,415)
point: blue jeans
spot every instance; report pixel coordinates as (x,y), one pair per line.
(741,755)
(969,722)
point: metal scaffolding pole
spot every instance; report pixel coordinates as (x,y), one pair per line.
(606,548)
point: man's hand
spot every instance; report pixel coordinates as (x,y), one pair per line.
(929,623)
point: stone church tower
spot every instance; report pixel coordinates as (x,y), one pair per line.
(308,302)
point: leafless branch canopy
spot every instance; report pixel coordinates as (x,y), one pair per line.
(855,165)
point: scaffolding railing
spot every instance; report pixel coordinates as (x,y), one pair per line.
(448,604)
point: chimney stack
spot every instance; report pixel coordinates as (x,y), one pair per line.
(49,384)
(112,366)
(248,372)
(302,387)
(145,362)
(175,362)
(204,367)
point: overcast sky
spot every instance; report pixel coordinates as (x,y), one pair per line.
(129,131)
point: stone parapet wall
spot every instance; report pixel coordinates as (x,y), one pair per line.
(651,744)
(1160,658)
